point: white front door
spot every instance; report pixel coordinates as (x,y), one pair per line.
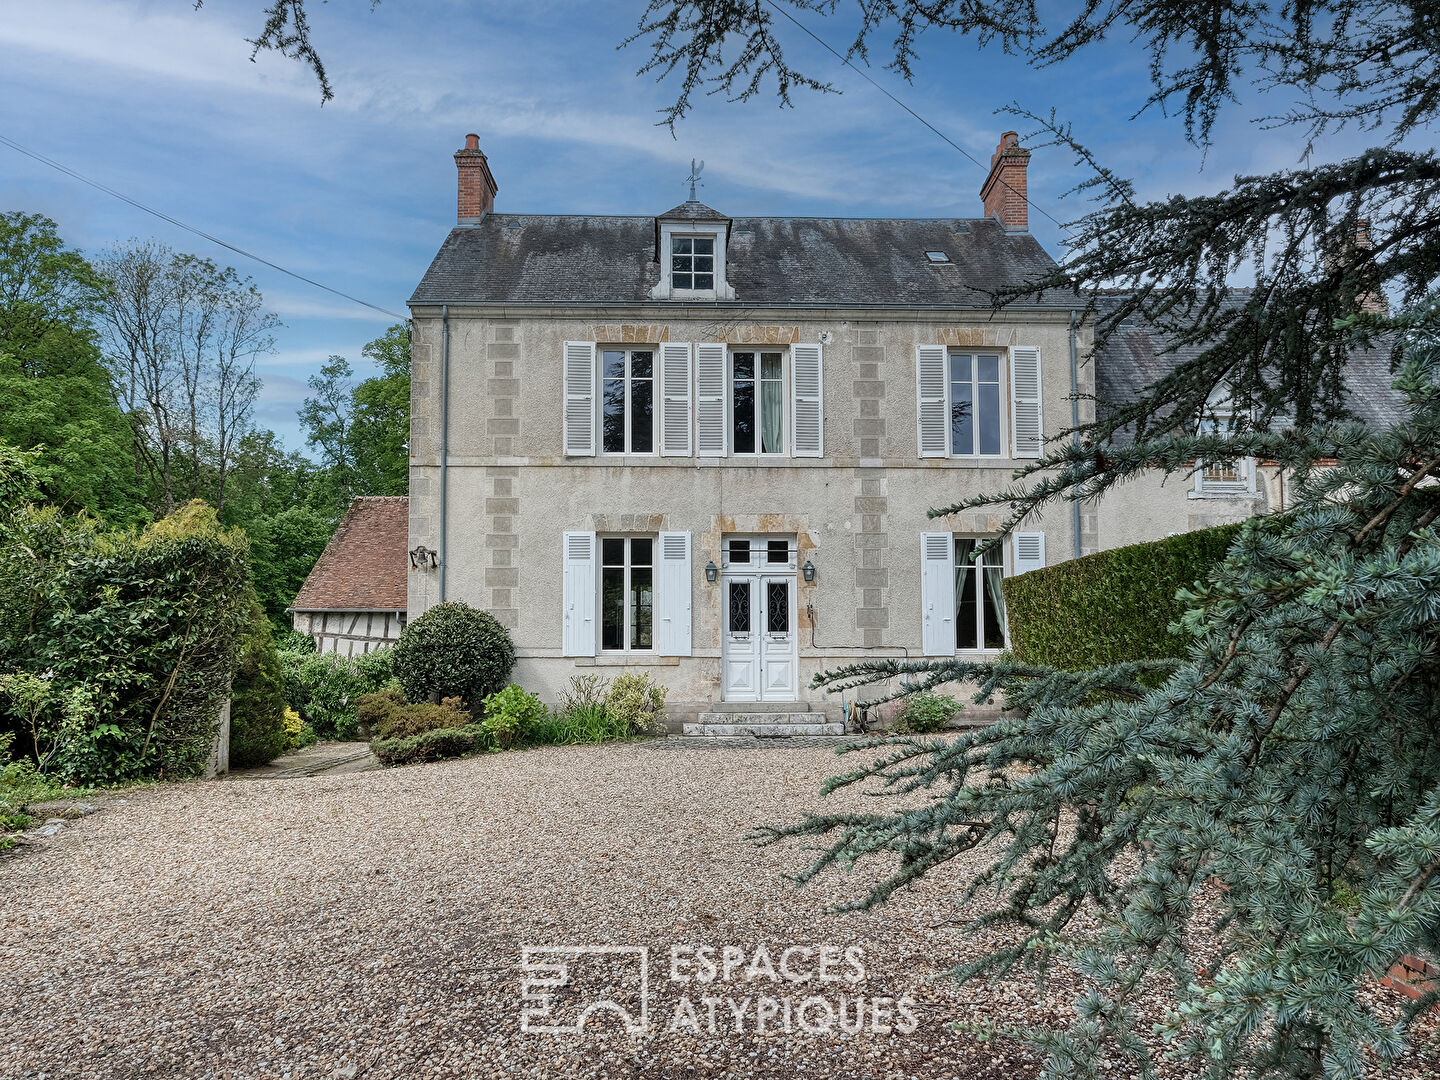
(759,647)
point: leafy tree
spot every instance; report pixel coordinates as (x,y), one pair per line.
(284,548)
(326,418)
(362,431)
(55,390)
(181,338)
(48,296)
(380,424)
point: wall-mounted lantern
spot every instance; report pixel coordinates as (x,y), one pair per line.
(422,558)
(808,570)
(712,572)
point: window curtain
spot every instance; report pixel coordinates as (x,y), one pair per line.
(772,406)
(964,568)
(995,591)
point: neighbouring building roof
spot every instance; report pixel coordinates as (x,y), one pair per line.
(779,261)
(364,566)
(1138,354)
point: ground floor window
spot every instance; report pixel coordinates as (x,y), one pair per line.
(627,592)
(979,598)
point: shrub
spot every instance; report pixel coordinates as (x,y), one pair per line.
(513,712)
(145,623)
(391,718)
(1111,606)
(297,732)
(373,710)
(453,650)
(637,702)
(323,688)
(433,745)
(257,697)
(924,712)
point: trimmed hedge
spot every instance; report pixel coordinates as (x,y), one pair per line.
(1112,606)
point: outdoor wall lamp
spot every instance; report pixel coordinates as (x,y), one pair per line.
(712,572)
(808,570)
(422,558)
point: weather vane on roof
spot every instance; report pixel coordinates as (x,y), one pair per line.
(694,177)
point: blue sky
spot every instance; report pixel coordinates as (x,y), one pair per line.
(163,103)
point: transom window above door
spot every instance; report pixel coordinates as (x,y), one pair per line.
(627,593)
(628,396)
(757,402)
(976,413)
(759,554)
(692,263)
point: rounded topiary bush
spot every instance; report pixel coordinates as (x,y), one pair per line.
(453,650)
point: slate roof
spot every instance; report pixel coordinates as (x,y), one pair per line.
(1138,354)
(771,261)
(365,564)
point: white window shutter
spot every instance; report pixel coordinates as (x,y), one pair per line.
(579,422)
(1026,434)
(579,594)
(807,418)
(1028,551)
(937,593)
(672,596)
(710,399)
(932,388)
(675,399)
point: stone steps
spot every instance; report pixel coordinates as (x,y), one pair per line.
(789,721)
(749,742)
(763,730)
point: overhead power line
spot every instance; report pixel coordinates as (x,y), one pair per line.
(946,138)
(190,228)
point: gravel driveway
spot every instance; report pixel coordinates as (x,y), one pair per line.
(373,925)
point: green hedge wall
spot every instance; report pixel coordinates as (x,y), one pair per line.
(1111,606)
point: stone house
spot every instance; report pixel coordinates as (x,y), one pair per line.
(705,446)
(353,600)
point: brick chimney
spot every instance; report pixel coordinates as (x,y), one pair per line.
(477,186)
(1004,190)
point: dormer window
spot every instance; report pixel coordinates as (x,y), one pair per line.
(690,246)
(692,263)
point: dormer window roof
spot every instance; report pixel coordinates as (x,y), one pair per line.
(691,242)
(688,212)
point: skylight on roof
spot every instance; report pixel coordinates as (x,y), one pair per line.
(937,256)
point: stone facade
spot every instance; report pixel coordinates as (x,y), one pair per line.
(857,513)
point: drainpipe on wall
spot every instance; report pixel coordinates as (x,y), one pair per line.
(1079,548)
(444,438)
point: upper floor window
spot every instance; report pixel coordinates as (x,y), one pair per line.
(692,263)
(976,414)
(1222,478)
(979,404)
(757,396)
(628,393)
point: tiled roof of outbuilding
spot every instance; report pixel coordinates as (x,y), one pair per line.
(779,261)
(365,564)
